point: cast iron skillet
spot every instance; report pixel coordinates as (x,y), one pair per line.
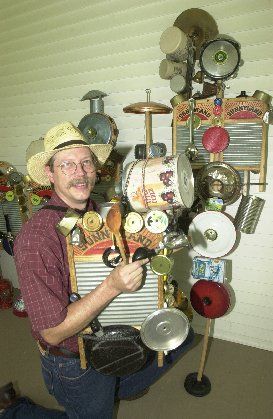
(120,351)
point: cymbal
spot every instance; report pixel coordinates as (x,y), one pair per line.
(151,107)
(199,25)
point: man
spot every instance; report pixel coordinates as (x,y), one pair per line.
(68,162)
(13,406)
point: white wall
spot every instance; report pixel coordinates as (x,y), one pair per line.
(53,52)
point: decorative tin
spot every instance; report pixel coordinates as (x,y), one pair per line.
(92,221)
(209,269)
(156,221)
(159,183)
(133,222)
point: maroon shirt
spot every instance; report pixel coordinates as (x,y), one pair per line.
(43,270)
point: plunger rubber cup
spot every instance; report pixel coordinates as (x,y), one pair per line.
(197,388)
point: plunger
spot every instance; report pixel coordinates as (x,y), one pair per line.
(211,300)
(196,383)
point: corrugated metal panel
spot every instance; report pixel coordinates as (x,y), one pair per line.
(52,53)
(244,148)
(129,308)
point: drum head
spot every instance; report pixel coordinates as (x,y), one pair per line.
(164,329)
(219,180)
(210,299)
(212,234)
(99,128)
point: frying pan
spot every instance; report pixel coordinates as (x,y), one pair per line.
(119,351)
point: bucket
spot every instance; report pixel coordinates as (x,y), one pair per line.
(159,183)
(248,213)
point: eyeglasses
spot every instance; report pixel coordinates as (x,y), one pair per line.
(70,167)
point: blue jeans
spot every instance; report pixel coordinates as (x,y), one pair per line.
(88,394)
(24,408)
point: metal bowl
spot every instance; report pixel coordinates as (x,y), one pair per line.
(219,180)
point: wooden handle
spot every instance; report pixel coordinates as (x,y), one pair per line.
(204,350)
(121,247)
(74,288)
(160,280)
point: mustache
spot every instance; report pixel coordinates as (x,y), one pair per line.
(75,182)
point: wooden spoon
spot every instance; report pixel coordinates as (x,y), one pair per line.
(113,221)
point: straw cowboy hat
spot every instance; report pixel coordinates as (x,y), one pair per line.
(61,137)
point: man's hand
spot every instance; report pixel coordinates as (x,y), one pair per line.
(127,278)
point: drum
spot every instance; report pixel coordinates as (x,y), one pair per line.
(159,183)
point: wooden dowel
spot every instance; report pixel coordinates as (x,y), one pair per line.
(121,247)
(74,288)
(160,355)
(246,183)
(204,350)
(148,126)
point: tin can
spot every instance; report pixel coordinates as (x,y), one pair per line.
(248,214)
(159,183)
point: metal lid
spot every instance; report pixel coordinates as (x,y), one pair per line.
(151,107)
(212,234)
(92,221)
(133,222)
(161,265)
(178,83)
(164,329)
(156,221)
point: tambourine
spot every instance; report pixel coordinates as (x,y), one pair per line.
(210,299)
